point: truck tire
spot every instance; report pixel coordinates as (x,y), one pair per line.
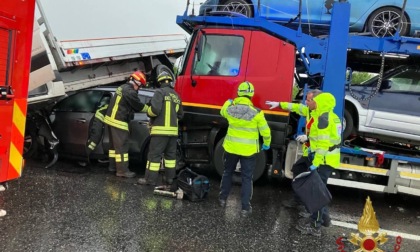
(348,125)
(218,161)
(159,69)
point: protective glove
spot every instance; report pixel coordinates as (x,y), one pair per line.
(265,147)
(302,138)
(273,104)
(313,167)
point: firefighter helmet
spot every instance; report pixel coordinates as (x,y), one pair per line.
(138,76)
(246,89)
(164,76)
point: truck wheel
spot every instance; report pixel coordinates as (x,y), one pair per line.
(239,6)
(218,161)
(159,69)
(348,124)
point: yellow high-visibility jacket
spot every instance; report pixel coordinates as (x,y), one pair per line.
(301,110)
(246,123)
(324,136)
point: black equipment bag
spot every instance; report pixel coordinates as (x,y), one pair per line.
(195,186)
(311,190)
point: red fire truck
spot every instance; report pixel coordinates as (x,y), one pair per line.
(16,28)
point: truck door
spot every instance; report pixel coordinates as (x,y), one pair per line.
(214,67)
(396,107)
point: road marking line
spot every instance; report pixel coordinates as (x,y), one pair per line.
(388,232)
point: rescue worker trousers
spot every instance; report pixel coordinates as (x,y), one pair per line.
(165,145)
(247,171)
(318,217)
(118,140)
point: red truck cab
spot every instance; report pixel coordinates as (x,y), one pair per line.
(216,61)
(16,28)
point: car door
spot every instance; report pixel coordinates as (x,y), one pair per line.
(286,10)
(71,119)
(103,146)
(396,108)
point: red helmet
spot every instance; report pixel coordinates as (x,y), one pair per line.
(139,76)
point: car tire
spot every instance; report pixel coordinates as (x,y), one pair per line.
(239,6)
(378,17)
(159,69)
(30,146)
(348,124)
(218,161)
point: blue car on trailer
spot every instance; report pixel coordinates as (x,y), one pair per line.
(380,17)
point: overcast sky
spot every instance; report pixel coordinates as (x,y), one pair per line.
(81,19)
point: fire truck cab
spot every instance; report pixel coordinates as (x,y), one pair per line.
(16,27)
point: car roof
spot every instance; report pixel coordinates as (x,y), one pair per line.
(143,91)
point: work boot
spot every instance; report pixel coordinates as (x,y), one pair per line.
(291,203)
(222,203)
(170,174)
(112,169)
(326,222)
(246,212)
(150,178)
(303,212)
(309,228)
(128,174)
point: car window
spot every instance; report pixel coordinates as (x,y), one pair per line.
(106,98)
(86,101)
(407,81)
(221,55)
(145,95)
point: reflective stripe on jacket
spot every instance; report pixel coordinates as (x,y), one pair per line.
(101,112)
(122,107)
(325,135)
(165,110)
(246,123)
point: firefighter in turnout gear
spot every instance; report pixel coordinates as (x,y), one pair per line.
(165,110)
(241,143)
(120,111)
(97,129)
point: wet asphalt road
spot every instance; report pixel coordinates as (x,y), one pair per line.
(68,208)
